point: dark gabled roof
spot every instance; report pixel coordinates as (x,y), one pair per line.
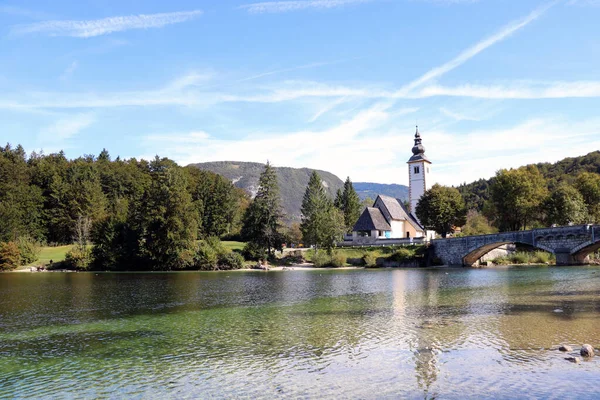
(399,212)
(394,207)
(419,157)
(371,219)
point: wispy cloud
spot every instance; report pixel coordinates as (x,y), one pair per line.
(287,6)
(65,128)
(69,71)
(594,3)
(472,51)
(516,90)
(458,116)
(98,27)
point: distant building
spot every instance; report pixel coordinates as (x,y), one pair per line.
(389,218)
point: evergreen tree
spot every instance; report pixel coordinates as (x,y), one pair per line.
(314,203)
(262,218)
(322,223)
(441,209)
(350,205)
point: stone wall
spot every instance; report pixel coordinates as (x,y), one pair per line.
(567,243)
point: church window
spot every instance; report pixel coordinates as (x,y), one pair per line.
(417,170)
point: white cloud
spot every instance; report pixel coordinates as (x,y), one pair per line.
(91,28)
(69,71)
(471,52)
(287,6)
(458,116)
(65,128)
(516,90)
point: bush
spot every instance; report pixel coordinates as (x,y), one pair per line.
(29,249)
(321,259)
(520,258)
(369,260)
(10,256)
(337,259)
(253,252)
(402,254)
(79,258)
(231,261)
(206,257)
(541,257)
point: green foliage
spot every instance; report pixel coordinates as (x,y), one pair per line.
(516,198)
(206,257)
(348,202)
(477,224)
(403,254)
(29,249)
(588,184)
(322,224)
(262,218)
(321,259)
(10,257)
(526,257)
(254,252)
(79,258)
(291,182)
(230,261)
(565,205)
(369,260)
(441,209)
(338,259)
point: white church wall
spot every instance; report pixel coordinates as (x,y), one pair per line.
(397,229)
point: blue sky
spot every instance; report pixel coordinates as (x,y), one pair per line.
(330,84)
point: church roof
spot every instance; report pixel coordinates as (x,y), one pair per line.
(398,211)
(371,219)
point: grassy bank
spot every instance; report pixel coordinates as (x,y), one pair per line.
(366,256)
(526,257)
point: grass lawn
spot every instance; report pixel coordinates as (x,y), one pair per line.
(55,254)
(234,245)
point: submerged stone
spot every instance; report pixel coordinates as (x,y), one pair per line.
(587,350)
(565,347)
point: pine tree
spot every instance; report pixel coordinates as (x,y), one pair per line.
(314,203)
(262,218)
(350,205)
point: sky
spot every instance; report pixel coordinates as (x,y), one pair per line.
(337,85)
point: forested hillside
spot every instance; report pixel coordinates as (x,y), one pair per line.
(292,182)
(564,171)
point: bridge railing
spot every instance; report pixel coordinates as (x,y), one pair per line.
(593,229)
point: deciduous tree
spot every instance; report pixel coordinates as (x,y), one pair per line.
(441,209)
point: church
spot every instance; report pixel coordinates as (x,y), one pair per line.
(389,218)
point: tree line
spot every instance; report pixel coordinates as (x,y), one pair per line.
(515,199)
(138,214)
(152,215)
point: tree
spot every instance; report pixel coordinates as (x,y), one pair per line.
(565,206)
(349,203)
(314,204)
(169,220)
(477,224)
(441,209)
(262,218)
(516,198)
(322,223)
(588,184)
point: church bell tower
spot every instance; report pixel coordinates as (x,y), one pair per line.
(419,169)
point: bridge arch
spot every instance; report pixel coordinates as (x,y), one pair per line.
(581,252)
(475,255)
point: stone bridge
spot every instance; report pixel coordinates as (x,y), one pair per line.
(571,244)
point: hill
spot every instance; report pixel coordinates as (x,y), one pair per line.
(476,193)
(292,181)
(371,190)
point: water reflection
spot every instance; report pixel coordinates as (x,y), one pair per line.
(361,334)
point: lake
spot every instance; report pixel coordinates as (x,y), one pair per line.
(439,333)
